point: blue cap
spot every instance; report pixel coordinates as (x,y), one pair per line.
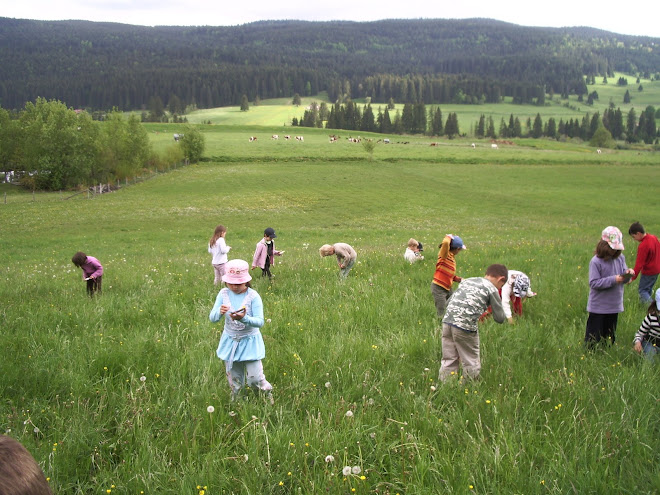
(456,243)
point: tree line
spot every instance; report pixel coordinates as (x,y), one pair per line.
(104,65)
(417,119)
(47,146)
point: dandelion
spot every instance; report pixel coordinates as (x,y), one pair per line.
(363,477)
(210,409)
(327,385)
(433,388)
(349,414)
(346,471)
(329,459)
(232,413)
(268,320)
(281,483)
(143,378)
(356,470)
(487,401)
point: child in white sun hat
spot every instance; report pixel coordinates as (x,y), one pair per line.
(607,274)
(241,344)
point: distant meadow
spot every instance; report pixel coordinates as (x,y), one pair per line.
(123,393)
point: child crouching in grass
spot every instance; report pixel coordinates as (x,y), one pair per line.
(460,335)
(647,338)
(241,345)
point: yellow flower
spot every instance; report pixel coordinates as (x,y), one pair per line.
(281,483)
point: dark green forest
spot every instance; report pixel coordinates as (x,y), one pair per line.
(99,66)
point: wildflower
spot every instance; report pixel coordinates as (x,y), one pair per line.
(487,401)
(433,389)
(327,385)
(329,459)
(281,483)
(363,477)
(356,470)
(349,414)
(210,409)
(232,413)
(346,471)
(268,320)
(143,378)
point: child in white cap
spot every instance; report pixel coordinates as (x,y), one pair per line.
(607,274)
(241,344)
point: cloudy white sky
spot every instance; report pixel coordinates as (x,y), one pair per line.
(637,18)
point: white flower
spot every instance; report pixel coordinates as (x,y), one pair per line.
(327,385)
(268,320)
(143,378)
(346,471)
(232,413)
(349,414)
(432,388)
(245,457)
(210,409)
(329,458)
(356,470)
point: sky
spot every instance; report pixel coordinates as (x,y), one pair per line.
(640,19)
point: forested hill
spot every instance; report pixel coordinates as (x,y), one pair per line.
(105,65)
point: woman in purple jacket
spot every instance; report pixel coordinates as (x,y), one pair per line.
(607,274)
(92,271)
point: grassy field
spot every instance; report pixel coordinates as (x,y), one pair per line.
(279,112)
(111,395)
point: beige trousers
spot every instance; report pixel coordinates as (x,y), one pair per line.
(459,346)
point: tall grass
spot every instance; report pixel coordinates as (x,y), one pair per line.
(112,393)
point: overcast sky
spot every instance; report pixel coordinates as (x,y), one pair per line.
(637,18)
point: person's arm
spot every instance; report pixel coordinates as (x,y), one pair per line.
(597,281)
(217,312)
(506,301)
(640,261)
(258,252)
(444,247)
(222,246)
(496,304)
(256,318)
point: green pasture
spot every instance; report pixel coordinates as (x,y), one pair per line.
(279,112)
(111,394)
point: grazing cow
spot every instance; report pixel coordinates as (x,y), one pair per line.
(178,136)
(598,151)
(386,141)
(287,137)
(494,146)
(474,145)
(253,138)
(274,136)
(434,144)
(300,138)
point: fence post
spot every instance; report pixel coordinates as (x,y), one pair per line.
(33,196)
(5,198)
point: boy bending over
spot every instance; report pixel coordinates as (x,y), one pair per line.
(460,336)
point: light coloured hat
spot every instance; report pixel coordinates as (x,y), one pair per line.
(236,272)
(521,286)
(613,237)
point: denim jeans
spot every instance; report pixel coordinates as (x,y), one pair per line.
(646,283)
(649,350)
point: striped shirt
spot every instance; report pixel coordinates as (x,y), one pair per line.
(649,330)
(445,267)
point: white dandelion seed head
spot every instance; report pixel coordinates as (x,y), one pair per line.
(36,430)
(349,414)
(329,458)
(372,436)
(232,413)
(143,378)
(426,370)
(327,385)
(245,457)
(268,320)
(346,471)
(356,470)
(210,409)
(433,388)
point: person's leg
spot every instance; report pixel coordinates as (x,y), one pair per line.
(440,298)
(97,284)
(450,359)
(645,289)
(609,329)
(90,287)
(467,346)
(650,351)
(219,272)
(255,376)
(235,377)
(343,272)
(594,331)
